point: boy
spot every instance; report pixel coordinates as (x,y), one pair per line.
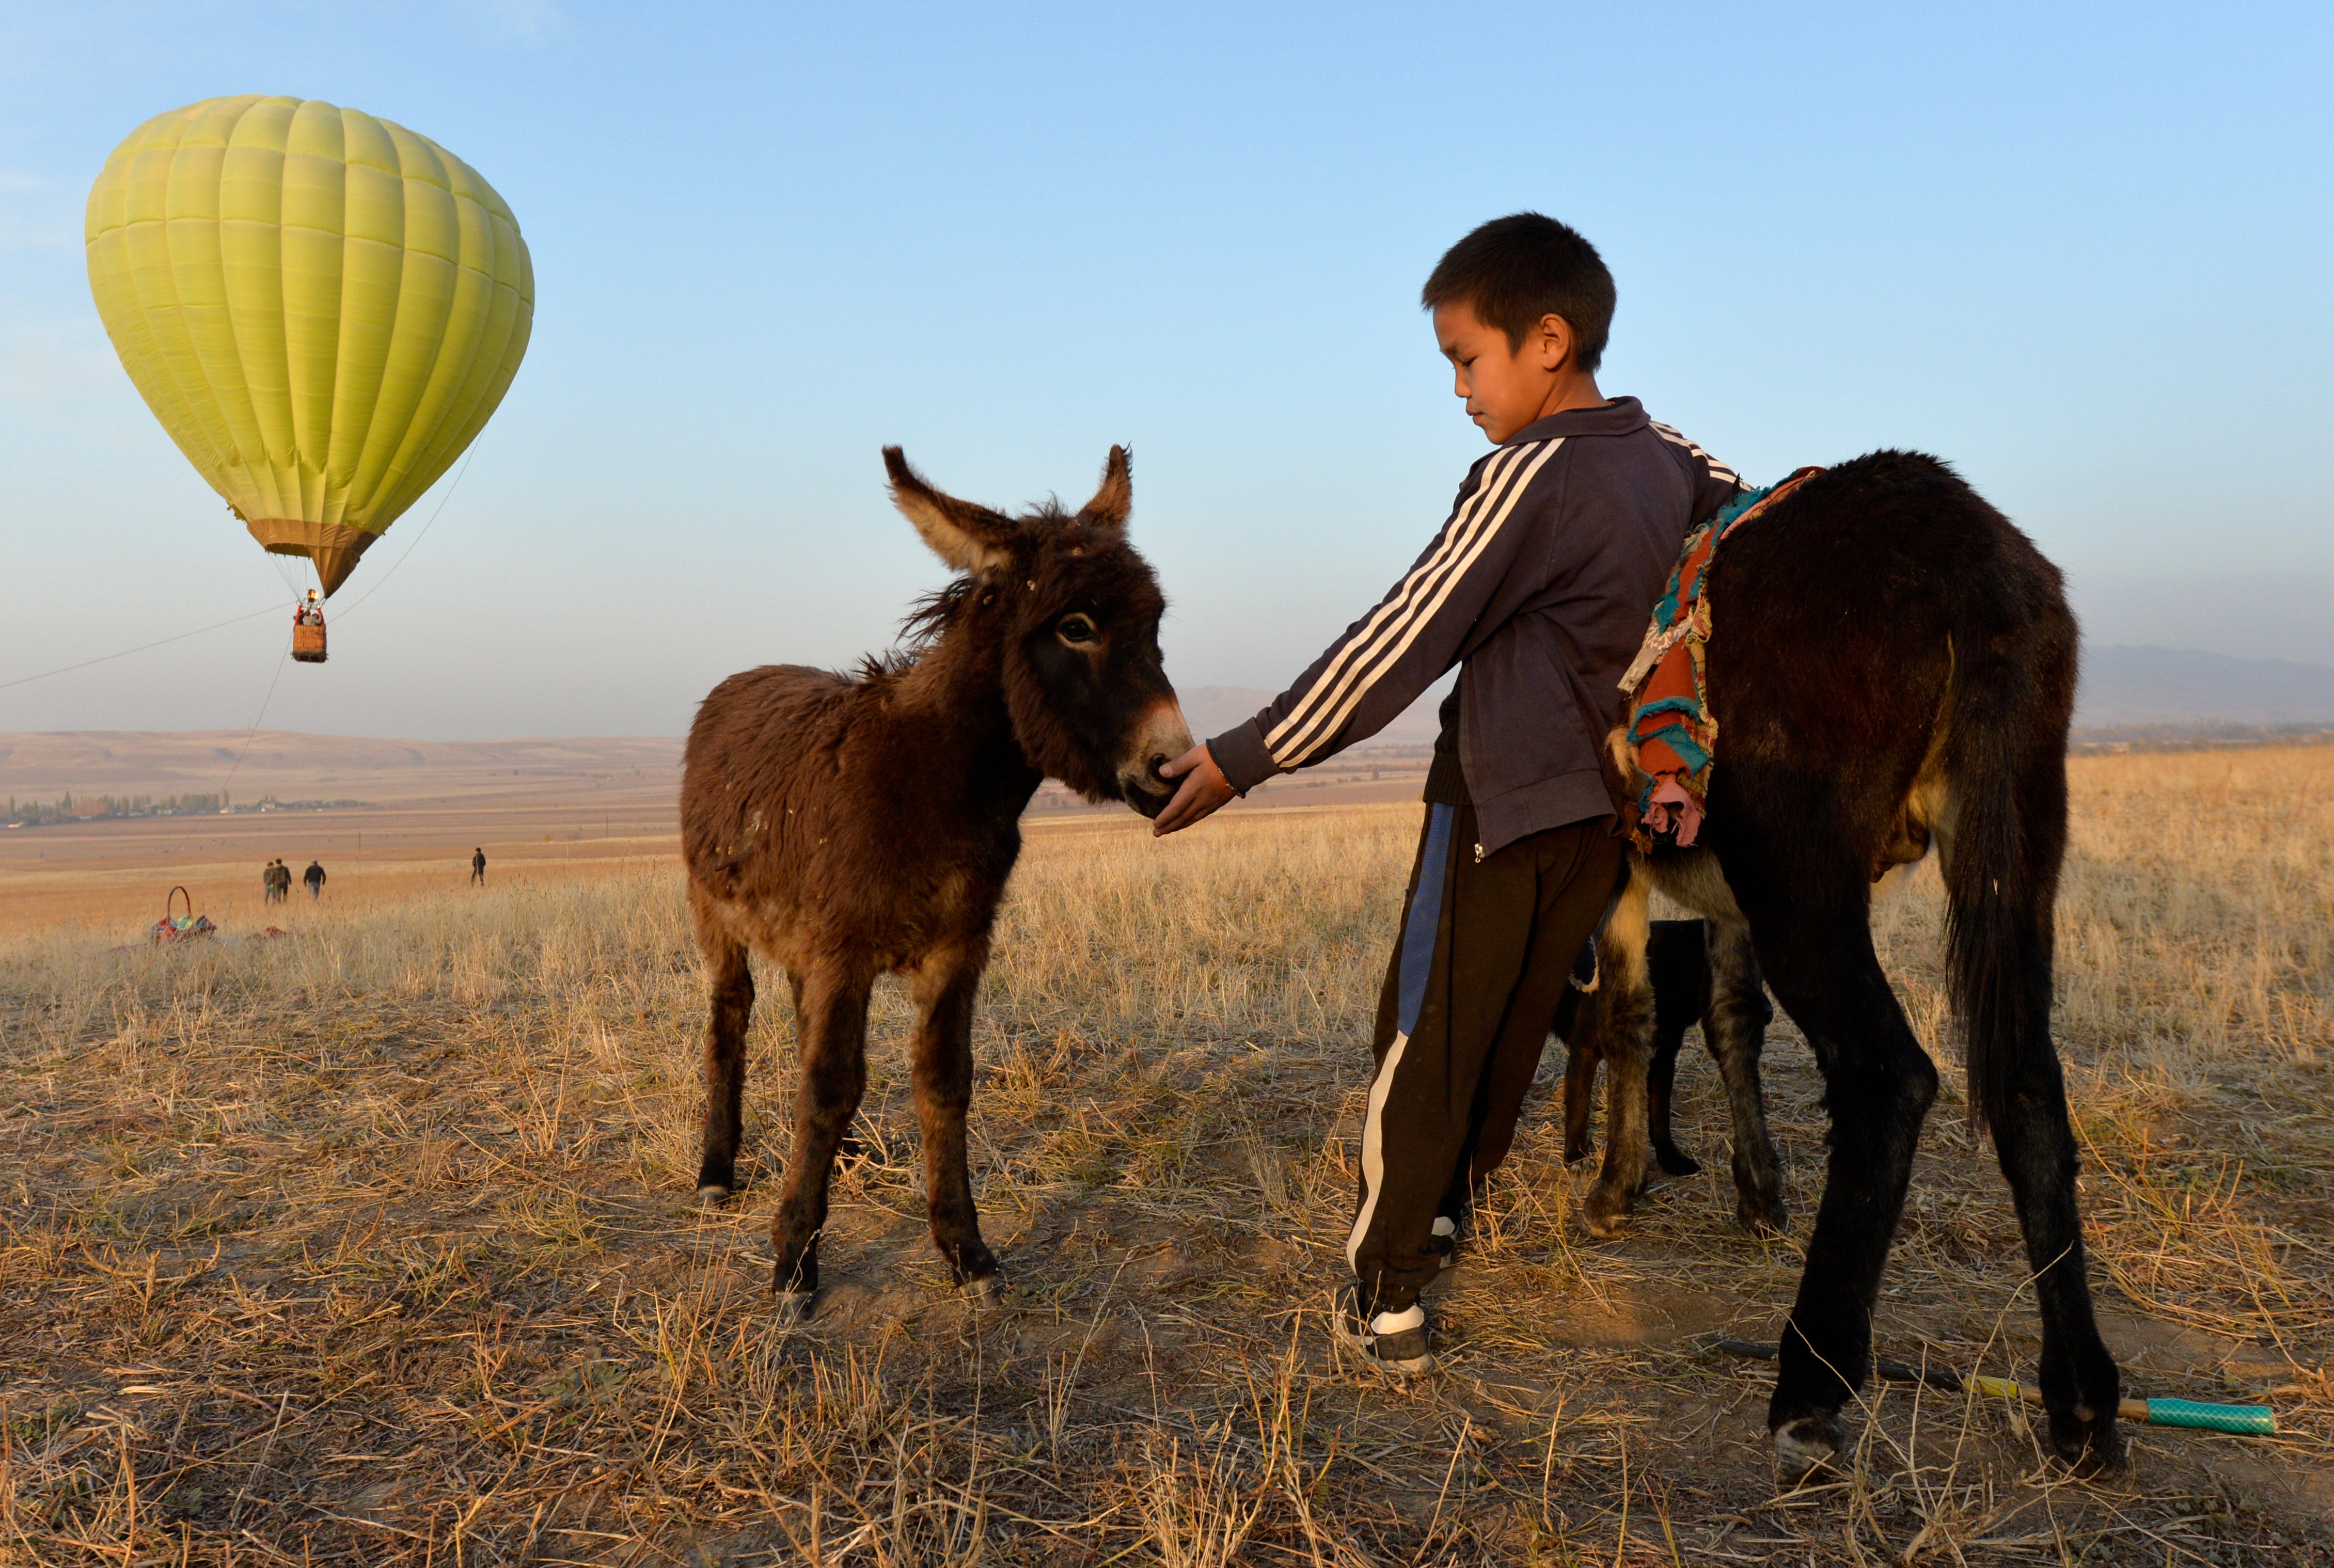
(1538,587)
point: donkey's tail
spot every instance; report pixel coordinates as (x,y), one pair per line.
(2006,759)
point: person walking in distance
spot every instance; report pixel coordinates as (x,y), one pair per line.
(267,883)
(315,877)
(478,865)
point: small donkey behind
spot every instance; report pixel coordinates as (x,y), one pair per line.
(1732,1009)
(848,827)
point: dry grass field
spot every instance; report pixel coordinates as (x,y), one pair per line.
(542,809)
(376,1244)
(545,812)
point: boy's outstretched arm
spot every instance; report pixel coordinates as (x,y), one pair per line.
(1204,788)
(1387,660)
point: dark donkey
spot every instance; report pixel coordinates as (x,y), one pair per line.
(1730,1005)
(1891,662)
(847,827)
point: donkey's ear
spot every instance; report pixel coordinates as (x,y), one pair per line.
(1111,504)
(968,537)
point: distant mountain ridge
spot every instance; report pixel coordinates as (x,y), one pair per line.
(2143,684)
(285,763)
(2122,686)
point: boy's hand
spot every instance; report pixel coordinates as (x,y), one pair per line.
(1203,789)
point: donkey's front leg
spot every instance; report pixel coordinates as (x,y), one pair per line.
(942,1055)
(831,1053)
(1625,1031)
(1735,1029)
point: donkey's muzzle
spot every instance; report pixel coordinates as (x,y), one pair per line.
(1162,737)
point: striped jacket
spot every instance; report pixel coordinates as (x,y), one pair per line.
(1538,587)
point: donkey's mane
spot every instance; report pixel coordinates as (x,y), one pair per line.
(934,613)
(925,624)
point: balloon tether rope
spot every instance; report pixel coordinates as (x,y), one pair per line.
(271,609)
(383,580)
(280,660)
(104,658)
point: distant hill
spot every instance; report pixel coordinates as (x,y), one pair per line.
(2143,685)
(294,767)
(2123,688)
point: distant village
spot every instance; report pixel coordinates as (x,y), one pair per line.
(71,808)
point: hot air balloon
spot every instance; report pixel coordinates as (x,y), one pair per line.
(321,309)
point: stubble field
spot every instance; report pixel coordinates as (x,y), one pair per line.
(377,1244)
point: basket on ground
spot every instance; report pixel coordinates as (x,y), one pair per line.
(180,927)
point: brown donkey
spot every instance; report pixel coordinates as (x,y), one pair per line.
(850,826)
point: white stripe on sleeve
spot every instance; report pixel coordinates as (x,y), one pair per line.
(1398,617)
(1676,440)
(1397,603)
(1321,734)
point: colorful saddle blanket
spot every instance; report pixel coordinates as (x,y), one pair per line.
(1672,735)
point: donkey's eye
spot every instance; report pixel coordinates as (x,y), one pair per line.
(1075,629)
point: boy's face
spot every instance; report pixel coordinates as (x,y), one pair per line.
(1506,389)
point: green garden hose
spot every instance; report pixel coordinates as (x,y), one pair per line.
(2248,1420)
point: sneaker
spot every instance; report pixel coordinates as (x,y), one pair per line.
(1443,1241)
(1392,1342)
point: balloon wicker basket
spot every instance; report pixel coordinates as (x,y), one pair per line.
(176,928)
(308,643)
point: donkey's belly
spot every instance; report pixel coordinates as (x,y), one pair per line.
(774,928)
(805,911)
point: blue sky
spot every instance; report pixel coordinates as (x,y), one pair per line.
(2083,253)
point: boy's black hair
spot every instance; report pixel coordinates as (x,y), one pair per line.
(1516,269)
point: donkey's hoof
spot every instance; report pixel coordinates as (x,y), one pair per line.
(1675,1161)
(2086,1447)
(792,1288)
(1604,1213)
(712,1193)
(970,1262)
(1765,1218)
(1807,1450)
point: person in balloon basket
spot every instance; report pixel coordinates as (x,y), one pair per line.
(310,610)
(1538,588)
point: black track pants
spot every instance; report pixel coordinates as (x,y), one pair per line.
(1485,951)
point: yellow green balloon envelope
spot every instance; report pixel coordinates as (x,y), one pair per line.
(321,307)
